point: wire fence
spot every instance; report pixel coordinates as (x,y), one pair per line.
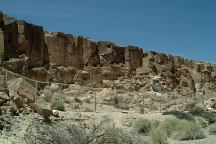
(151,103)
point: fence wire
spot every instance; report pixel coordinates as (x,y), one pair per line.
(147,104)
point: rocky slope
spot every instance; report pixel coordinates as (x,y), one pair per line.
(57,57)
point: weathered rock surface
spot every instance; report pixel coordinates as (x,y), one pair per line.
(57,57)
(22,88)
(20,38)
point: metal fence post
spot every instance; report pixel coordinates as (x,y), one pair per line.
(6,76)
(36,90)
(143,105)
(160,104)
(61,93)
(95,102)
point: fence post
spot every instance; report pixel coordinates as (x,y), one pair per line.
(95,102)
(143,105)
(36,89)
(6,76)
(61,93)
(160,104)
(203,100)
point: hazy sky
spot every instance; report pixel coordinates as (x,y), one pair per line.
(180,27)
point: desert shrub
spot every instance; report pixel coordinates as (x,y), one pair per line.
(189,131)
(58,105)
(155,123)
(158,136)
(142,126)
(88,109)
(76,106)
(76,133)
(49,134)
(139,139)
(5,123)
(202,122)
(115,136)
(189,105)
(196,110)
(212,129)
(87,100)
(169,126)
(182,129)
(210,117)
(181,115)
(47,94)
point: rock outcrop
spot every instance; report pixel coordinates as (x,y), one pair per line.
(28,50)
(21,38)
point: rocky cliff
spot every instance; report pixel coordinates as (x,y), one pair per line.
(28,50)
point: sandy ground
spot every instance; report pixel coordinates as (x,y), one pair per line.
(122,119)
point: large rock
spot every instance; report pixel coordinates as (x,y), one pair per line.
(90,52)
(81,77)
(64,50)
(110,53)
(4,96)
(1,43)
(114,71)
(68,50)
(1,20)
(22,88)
(96,78)
(38,73)
(44,110)
(133,57)
(62,74)
(16,65)
(20,38)
(18,101)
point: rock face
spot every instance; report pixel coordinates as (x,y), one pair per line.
(63,50)
(1,44)
(22,88)
(20,38)
(121,76)
(110,53)
(28,50)
(133,57)
(68,50)
(90,52)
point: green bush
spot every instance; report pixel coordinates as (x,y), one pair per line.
(196,110)
(74,133)
(181,115)
(58,105)
(210,117)
(87,109)
(202,122)
(189,131)
(142,126)
(155,123)
(115,136)
(182,129)
(158,136)
(139,139)
(87,100)
(169,126)
(212,129)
